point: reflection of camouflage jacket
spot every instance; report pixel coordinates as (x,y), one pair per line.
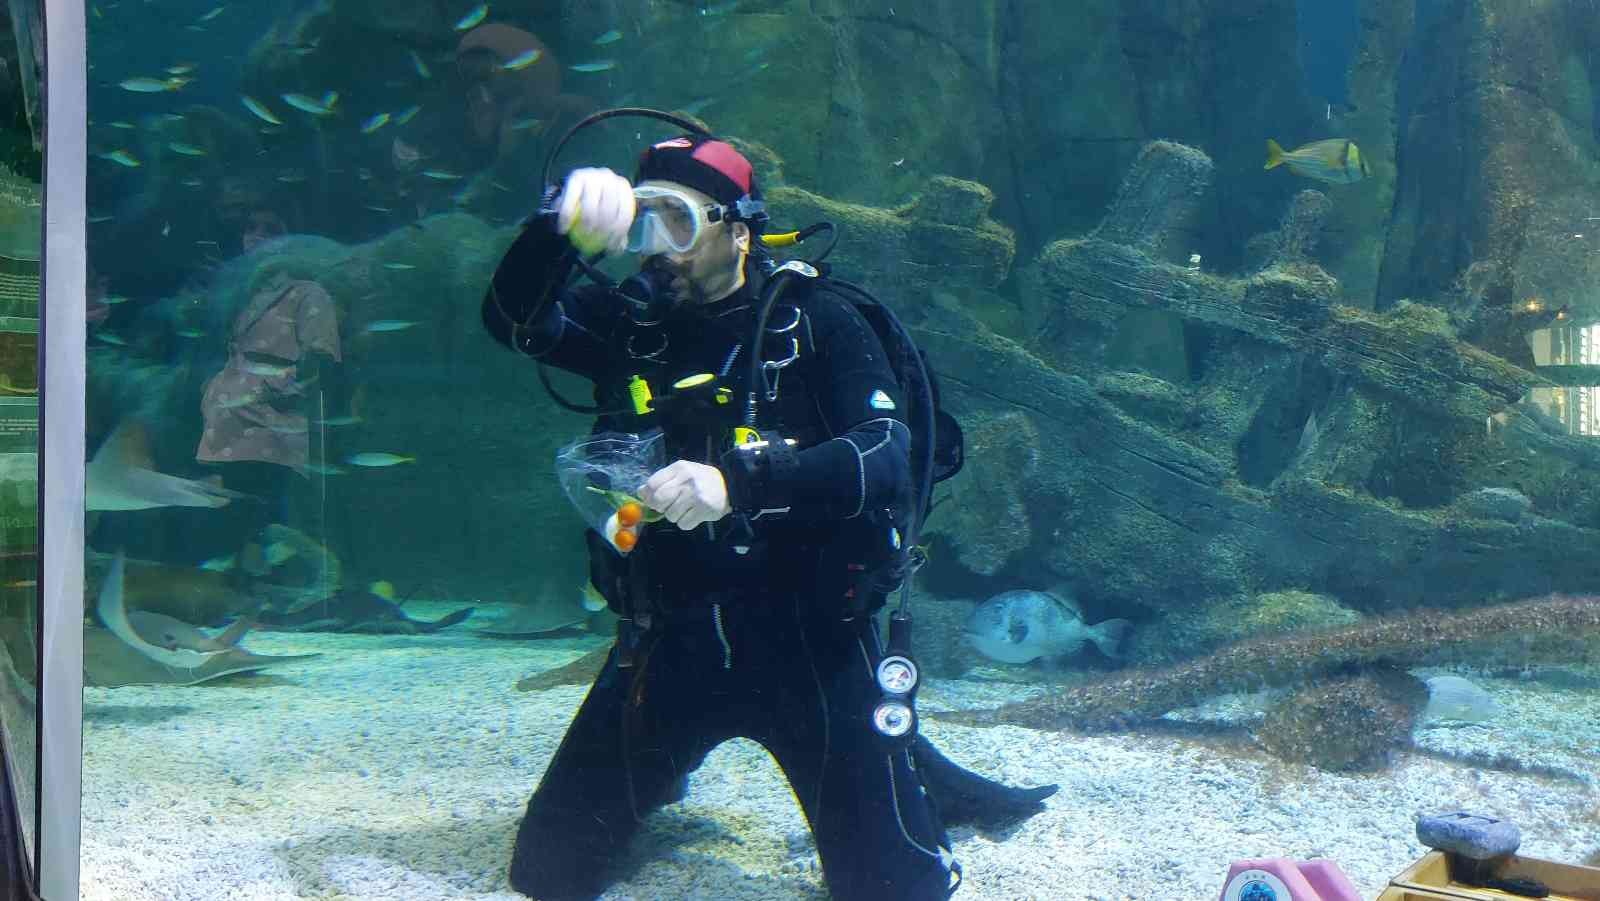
(253,408)
(840,401)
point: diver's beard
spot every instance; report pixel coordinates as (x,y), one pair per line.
(688,292)
(683,290)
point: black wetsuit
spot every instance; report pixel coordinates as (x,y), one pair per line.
(760,644)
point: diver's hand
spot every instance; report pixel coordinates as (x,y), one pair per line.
(687,493)
(595,210)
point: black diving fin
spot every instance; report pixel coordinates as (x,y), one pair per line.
(966,798)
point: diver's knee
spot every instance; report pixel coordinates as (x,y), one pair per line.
(555,858)
(551,873)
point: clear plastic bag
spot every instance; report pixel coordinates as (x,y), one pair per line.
(601,476)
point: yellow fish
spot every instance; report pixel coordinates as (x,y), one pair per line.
(378,459)
(1336,160)
(522,60)
(259,110)
(419,65)
(472,19)
(121,158)
(312,105)
(153,85)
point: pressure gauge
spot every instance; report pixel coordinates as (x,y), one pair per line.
(897,675)
(892,719)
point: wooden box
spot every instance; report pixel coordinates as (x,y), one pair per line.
(1429,880)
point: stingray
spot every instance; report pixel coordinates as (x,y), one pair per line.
(173,633)
(139,647)
(581,671)
(538,621)
(118,478)
(357,610)
(109,663)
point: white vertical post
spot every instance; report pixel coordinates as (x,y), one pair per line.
(62,335)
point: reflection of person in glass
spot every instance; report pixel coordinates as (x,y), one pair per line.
(283,363)
(506,96)
(726,632)
(504,106)
(255,408)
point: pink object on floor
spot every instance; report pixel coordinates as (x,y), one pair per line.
(1282,879)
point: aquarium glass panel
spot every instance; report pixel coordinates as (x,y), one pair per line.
(20,235)
(1061,448)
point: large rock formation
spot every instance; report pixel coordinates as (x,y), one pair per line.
(1266,437)
(1500,154)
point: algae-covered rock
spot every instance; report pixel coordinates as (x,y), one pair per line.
(1345,724)
(1157,198)
(941,241)
(1505,504)
(984,513)
(1301,228)
(1145,397)
(953,201)
(1186,633)
(1343,428)
(1287,611)
(940,634)
(1502,200)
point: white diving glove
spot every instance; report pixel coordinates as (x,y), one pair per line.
(687,494)
(595,210)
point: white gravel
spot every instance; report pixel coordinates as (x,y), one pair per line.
(397,767)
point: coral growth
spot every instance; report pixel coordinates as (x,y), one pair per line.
(1128,698)
(1346,723)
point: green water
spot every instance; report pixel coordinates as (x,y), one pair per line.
(1324,429)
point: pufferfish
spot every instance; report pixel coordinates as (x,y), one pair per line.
(1336,160)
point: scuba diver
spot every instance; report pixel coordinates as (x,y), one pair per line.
(801,426)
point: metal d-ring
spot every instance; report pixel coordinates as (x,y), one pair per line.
(652,354)
(778,330)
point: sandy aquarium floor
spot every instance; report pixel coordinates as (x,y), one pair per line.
(397,768)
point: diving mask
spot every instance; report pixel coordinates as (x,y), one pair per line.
(667,220)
